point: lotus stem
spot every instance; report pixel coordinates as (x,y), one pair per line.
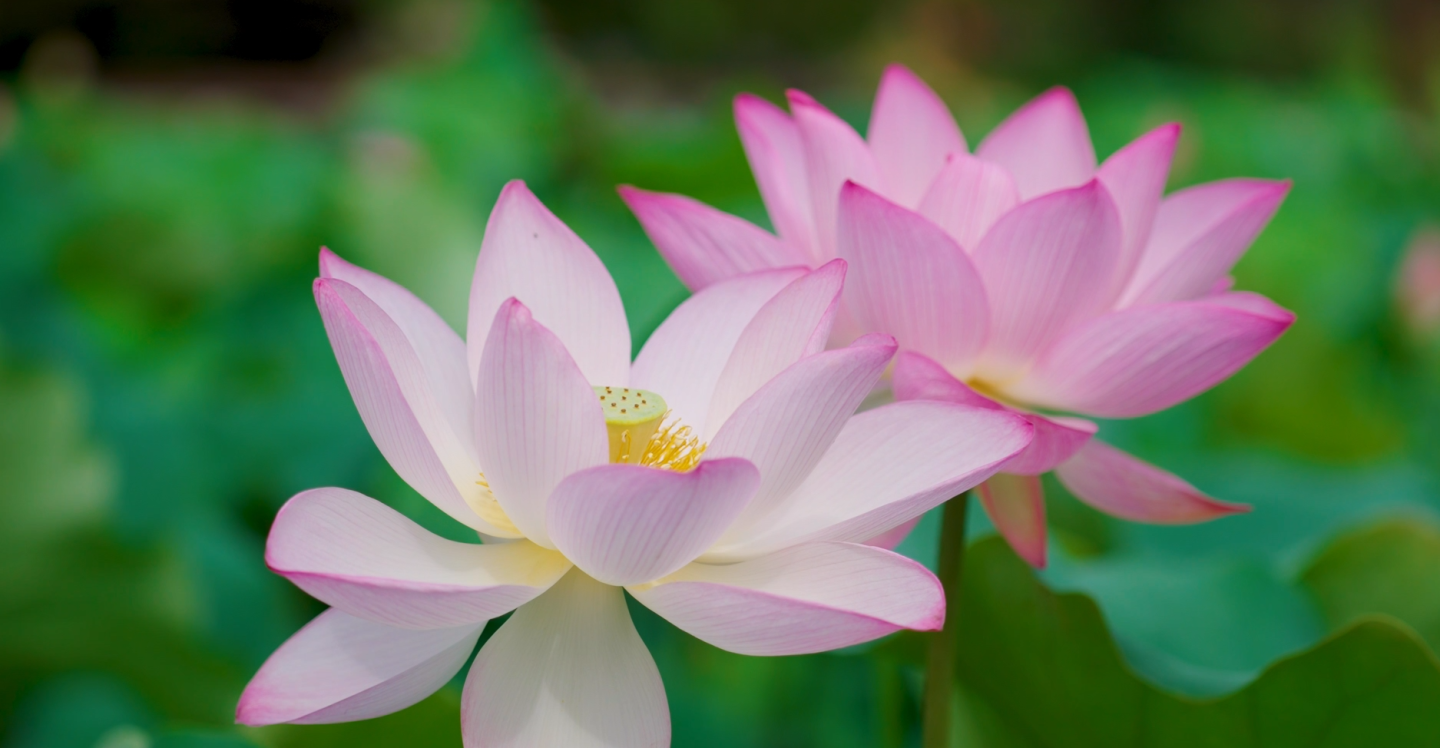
(940,661)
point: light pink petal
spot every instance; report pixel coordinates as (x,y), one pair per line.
(887,466)
(1119,484)
(566,670)
(530,255)
(1199,234)
(1135,176)
(809,598)
(893,537)
(683,358)
(834,153)
(1056,437)
(1045,144)
(1016,505)
(911,132)
(909,279)
(772,145)
(1144,359)
(625,524)
(786,427)
(536,418)
(1047,266)
(440,351)
(364,558)
(704,245)
(793,324)
(393,394)
(967,197)
(340,669)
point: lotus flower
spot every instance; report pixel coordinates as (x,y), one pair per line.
(721,479)
(1023,277)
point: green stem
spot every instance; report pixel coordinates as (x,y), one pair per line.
(940,662)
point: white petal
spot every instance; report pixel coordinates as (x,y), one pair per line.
(566,670)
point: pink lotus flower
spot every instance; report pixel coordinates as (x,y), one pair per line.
(1023,277)
(738,516)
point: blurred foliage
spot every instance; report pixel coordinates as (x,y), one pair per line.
(165,383)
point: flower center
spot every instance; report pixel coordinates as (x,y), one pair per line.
(640,434)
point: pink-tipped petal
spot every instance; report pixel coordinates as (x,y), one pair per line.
(1199,234)
(1047,266)
(566,670)
(834,153)
(1045,144)
(788,424)
(911,132)
(352,552)
(1056,437)
(1135,176)
(530,255)
(626,524)
(340,668)
(887,466)
(683,358)
(967,197)
(1016,505)
(1145,359)
(793,324)
(388,382)
(440,351)
(772,146)
(536,418)
(909,279)
(1119,484)
(704,245)
(809,598)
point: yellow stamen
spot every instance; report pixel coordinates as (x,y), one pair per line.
(489,509)
(636,421)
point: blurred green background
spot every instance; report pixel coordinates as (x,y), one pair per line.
(168,171)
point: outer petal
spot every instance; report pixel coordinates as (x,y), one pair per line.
(772,145)
(624,524)
(684,357)
(704,245)
(1199,234)
(1141,360)
(1116,483)
(910,280)
(1016,504)
(536,418)
(810,598)
(967,197)
(1047,266)
(530,255)
(911,133)
(793,324)
(566,670)
(340,668)
(888,465)
(395,400)
(1135,176)
(834,153)
(1056,438)
(440,351)
(367,559)
(1045,144)
(786,427)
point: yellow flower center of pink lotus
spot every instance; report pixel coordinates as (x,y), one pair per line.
(640,434)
